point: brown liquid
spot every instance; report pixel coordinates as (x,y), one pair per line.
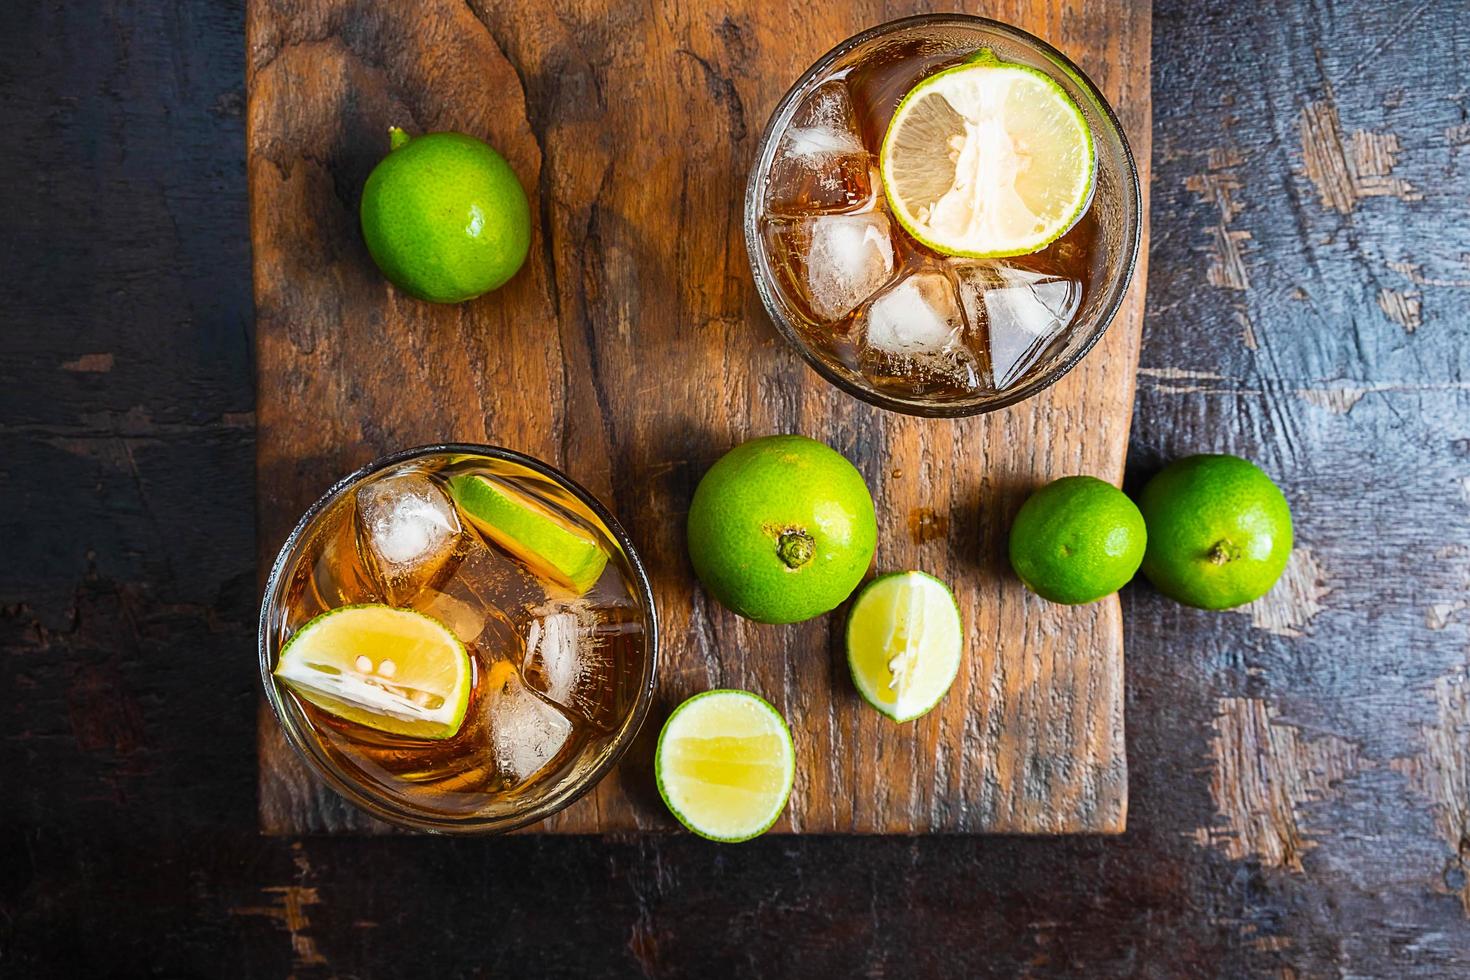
(495,603)
(985,358)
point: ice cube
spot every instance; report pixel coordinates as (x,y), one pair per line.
(820,165)
(465,620)
(813,142)
(570,659)
(486,599)
(552,649)
(407,531)
(918,316)
(526,732)
(840,260)
(912,340)
(1020,311)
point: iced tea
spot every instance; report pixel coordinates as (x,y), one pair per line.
(560,669)
(875,309)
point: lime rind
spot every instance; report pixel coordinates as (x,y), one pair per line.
(1085,186)
(939,598)
(691,824)
(377,702)
(1076,540)
(531,531)
(1220,531)
(772,488)
(444,216)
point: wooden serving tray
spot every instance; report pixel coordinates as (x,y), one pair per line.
(632,352)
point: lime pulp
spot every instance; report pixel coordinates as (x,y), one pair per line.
(725,765)
(393,670)
(988,159)
(904,643)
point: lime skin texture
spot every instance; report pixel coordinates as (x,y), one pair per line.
(1219,531)
(781,529)
(1076,540)
(445,217)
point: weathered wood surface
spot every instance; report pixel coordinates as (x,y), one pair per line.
(127,597)
(632,351)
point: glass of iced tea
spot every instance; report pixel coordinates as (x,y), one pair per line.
(943,216)
(458,639)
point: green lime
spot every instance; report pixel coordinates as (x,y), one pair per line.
(725,764)
(445,217)
(531,531)
(904,640)
(1219,531)
(987,159)
(1076,540)
(394,670)
(781,529)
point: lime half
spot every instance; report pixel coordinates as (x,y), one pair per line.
(725,765)
(987,159)
(531,531)
(394,670)
(904,640)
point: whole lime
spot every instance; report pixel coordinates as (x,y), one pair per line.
(781,529)
(1219,531)
(445,217)
(1076,540)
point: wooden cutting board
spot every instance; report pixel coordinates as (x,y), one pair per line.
(632,351)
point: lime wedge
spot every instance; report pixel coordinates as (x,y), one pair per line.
(904,640)
(394,670)
(725,765)
(531,531)
(987,159)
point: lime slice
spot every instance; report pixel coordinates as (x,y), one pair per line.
(987,159)
(725,765)
(394,670)
(904,640)
(531,531)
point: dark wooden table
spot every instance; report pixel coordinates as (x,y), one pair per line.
(1300,775)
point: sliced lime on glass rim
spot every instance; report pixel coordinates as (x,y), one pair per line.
(904,641)
(988,159)
(725,765)
(531,531)
(393,670)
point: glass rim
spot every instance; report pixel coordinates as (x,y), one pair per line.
(755,251)
(393,812)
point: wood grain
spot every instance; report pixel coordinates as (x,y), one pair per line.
(128,600)
(631,351)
